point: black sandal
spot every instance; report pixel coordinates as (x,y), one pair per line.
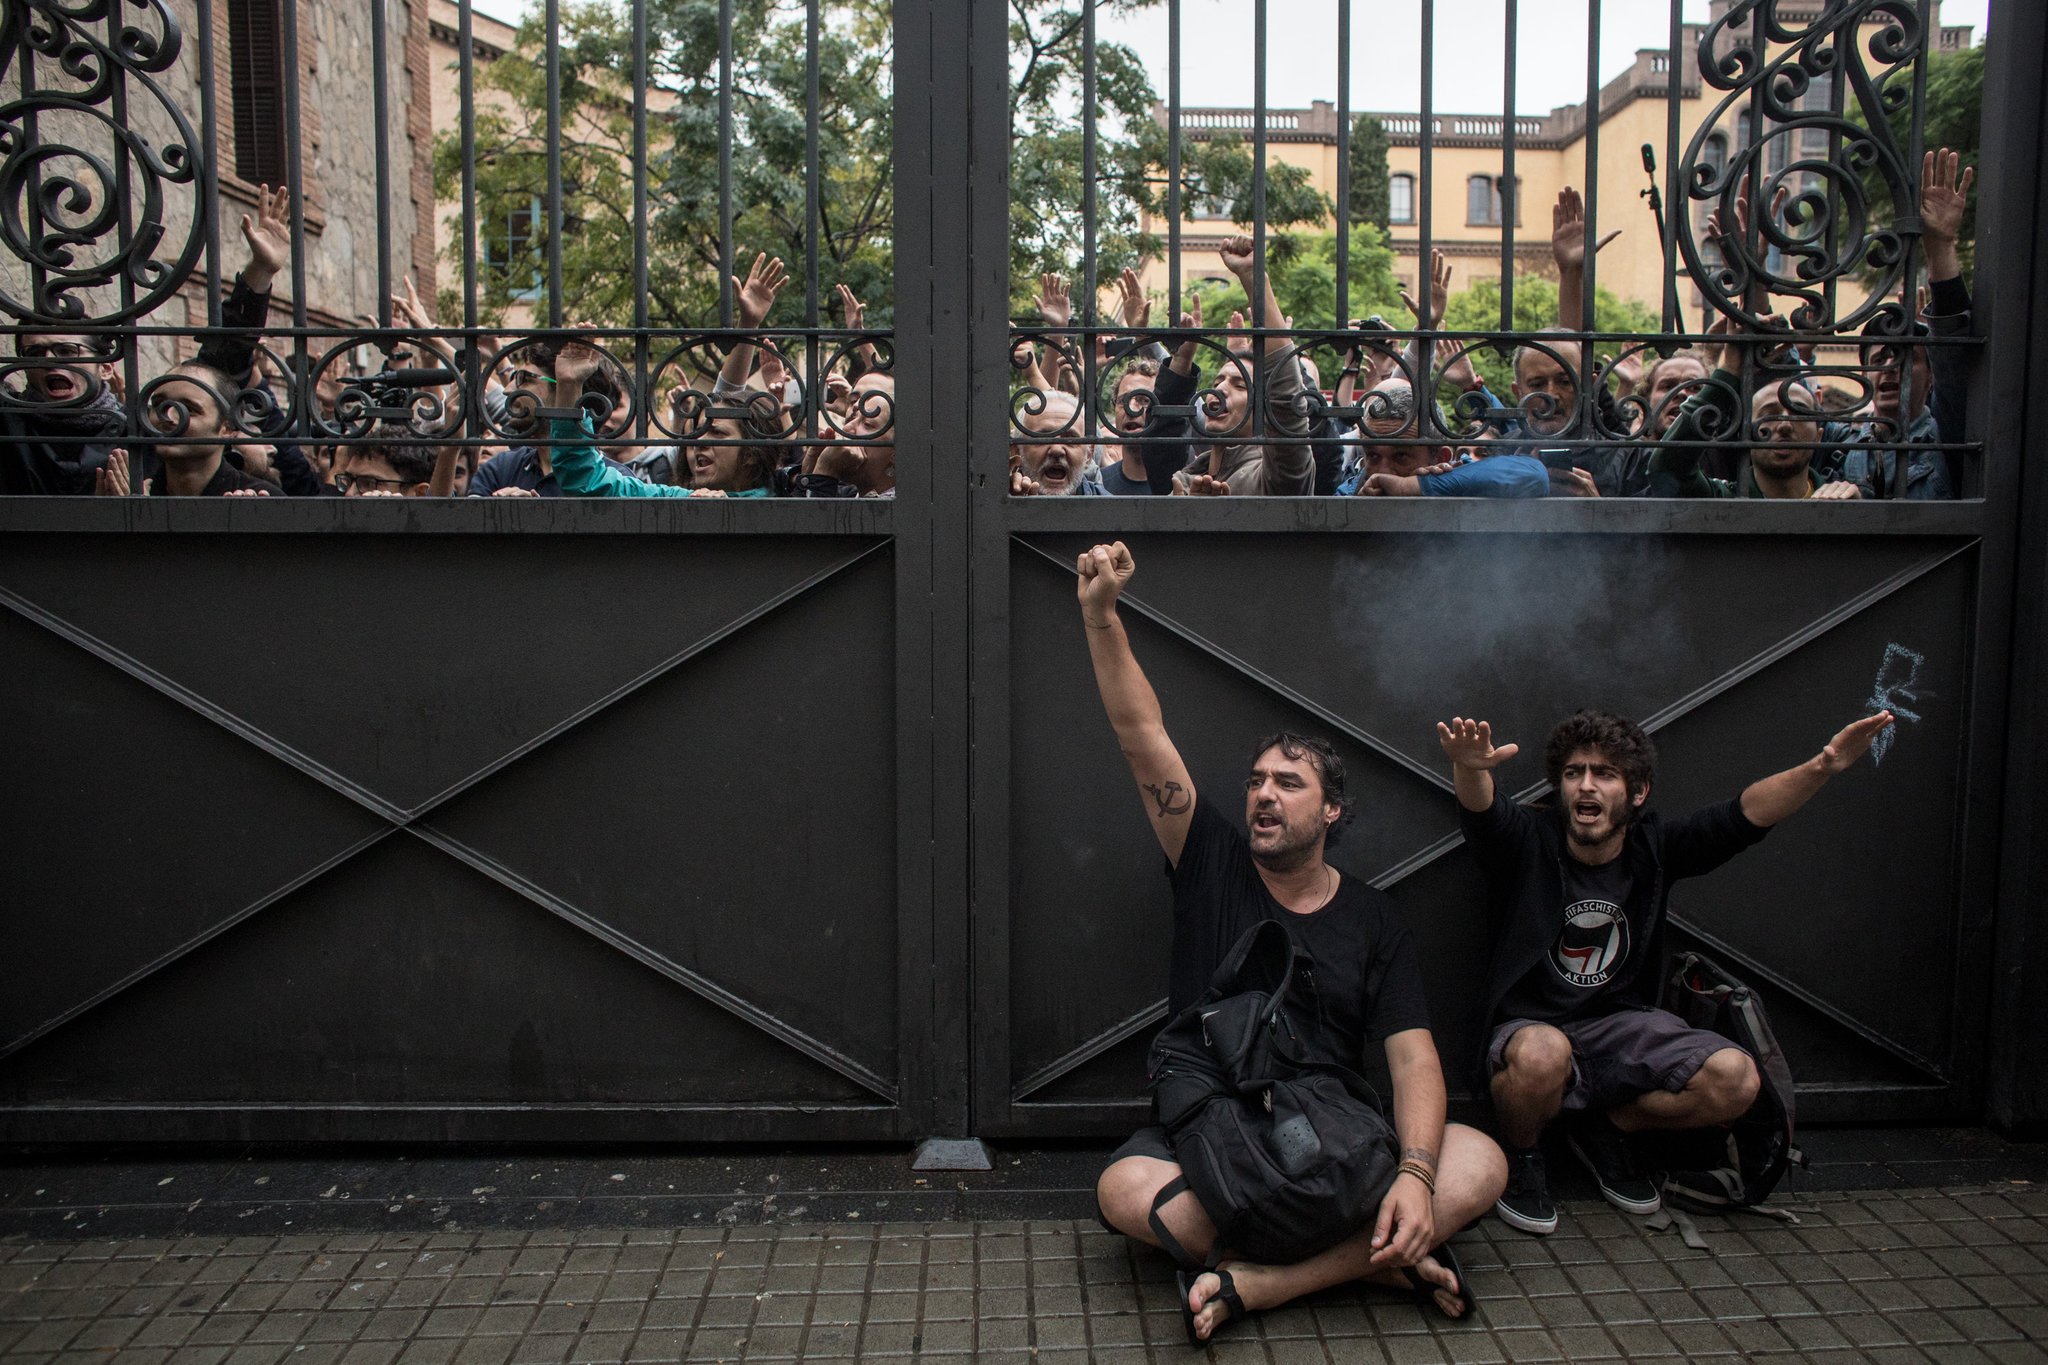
(1425,1292)
(1233,1305)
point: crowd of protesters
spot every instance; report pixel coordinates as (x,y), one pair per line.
(1185,410)
(1741,415)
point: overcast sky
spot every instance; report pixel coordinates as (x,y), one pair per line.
(1550,52)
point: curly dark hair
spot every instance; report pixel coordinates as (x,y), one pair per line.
(1622,742)
(1329,766)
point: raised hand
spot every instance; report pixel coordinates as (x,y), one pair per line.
(269,235)
(1237,256)
(1944,198)
(112,480)
(1439,292)
(1055,304)
(1852,742)
(1022,485)
(1568,231)
(1454,367)
(1103,572)
(1132,305)
(754,297)
(408,308)
(850,308)
(1628,370)
(1469,745)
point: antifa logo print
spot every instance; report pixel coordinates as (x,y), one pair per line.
(1592,944)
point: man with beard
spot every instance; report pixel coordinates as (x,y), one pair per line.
(1281,463)
(1055,464)
(1366,977)
(1578,896)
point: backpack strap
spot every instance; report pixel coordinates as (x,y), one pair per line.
(1169,1192)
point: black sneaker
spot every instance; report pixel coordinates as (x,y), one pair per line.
(1526,1204)
(1607,1152)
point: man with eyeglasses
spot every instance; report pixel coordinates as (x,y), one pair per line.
(59,431)
(528,470)
(396,469)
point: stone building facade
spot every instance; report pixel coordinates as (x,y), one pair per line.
(334,63)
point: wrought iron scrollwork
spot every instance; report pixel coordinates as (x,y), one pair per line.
(108,223)
(1825,226)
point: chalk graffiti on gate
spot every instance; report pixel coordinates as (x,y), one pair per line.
(1898,678)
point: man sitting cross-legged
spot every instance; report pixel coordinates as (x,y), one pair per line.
(1578,896)
(1366,976)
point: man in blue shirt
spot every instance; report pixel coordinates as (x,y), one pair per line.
(1415,470)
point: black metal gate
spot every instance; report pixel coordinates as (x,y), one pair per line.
(799,821)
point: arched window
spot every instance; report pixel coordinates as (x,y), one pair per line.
(1401,199)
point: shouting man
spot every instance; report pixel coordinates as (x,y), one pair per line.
(1578,897)
(1224,881)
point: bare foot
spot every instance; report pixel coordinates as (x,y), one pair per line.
(1210,1311)
(1446,1284)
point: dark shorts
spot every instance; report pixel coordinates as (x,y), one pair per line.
(1148,1141)
(1616,1057)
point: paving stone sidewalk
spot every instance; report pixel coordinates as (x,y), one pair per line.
(1955,1274)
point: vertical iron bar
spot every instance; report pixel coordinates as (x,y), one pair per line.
(478,381)
(726,303)
(556,217)
(1910,280)
(641,393)
(39,278)
(380,120)
(813,207)
(294,161)
(1758,37)
(1425,346)
(1509,206)
(1343,163)
(1592,190)
(123,187)
(1086,336)
(1257,302)
(1675,206)
(209,169)
(1838,93)
(1174,208)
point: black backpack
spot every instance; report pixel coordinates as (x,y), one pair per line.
(1288,1155)
(1715,1170)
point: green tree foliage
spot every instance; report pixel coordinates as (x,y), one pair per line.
(1369,179)
(1477,309)
(768,160)
(1953,118)
(1047,192)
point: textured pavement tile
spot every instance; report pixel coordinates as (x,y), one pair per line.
(1873,1278)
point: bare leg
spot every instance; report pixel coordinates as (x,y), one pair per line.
(1471,1174)
(1529,1090)
(1721,1091)
(1125,1192)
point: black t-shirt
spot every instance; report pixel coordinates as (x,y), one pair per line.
(1366,975)
(1595,956)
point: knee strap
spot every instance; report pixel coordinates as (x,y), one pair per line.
(1171,1244)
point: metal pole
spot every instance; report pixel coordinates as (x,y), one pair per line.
(1509,127)
(726,302)
(1174,209)
(380,130)
(556,217)
(209,170)
(641,303)
(1343,163)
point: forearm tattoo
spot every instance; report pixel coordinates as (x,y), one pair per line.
(1172,799)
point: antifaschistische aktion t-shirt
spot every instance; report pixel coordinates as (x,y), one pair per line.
(1366,972)
(1594,957)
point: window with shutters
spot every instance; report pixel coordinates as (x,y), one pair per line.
(1401,199)
(256,74)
